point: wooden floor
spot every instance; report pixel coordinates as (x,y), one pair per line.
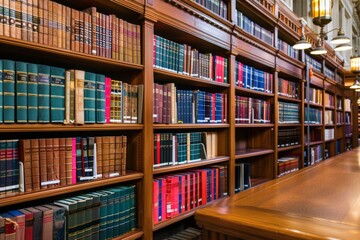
(319,202)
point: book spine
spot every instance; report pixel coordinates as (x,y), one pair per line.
(73,161)
(21,79)
(32,93)
(107,99)
(62,160)
(57,93)
(44,93)
(99,156)
(100,98)
(6,19)
(9,90)
(1,90)
(25,157)
(79,96)
(90,97)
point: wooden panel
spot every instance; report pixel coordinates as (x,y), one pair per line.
(289,65)
(291,208)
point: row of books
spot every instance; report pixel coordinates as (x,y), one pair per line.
(340,118)
(252,110)
(36,93)
(313,63)
(347,117)
(251,78)
(328,117)
(172,105)
(287,49)
(287,165)
(315,96)
(179,193)
(288,88)
(288,137)
(313,116)
(89,31)
(254,29)
(289,112)
(189,233)
(313,156)
(217,6)
(34,164)
(348,130)
(329,134)
(347,105)
(329,100)
(180,148)
(103,214)
(183,59)
(242,176)
(329,73)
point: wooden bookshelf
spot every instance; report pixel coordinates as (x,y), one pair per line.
(188,22)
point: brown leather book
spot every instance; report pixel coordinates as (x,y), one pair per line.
(121,39)
(123,155)
(27,8)
(112,155)
(74,31)
(79,96)
(87,32)
(25,158)
(62,161)
(118,154)
(50,23)
(114,36)
(45,11)
(68,161)
(105,156)
(55,24)
(6,20)
(49,161)
(67,36)
(47,222)
(43,162)
(35,164)
(56,159)
(35,21)
(93,21)
(99,155)
(16,5)
(80,17)
(41,22)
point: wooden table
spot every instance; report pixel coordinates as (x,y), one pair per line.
(318,202)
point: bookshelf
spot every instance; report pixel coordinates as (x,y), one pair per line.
(254,79)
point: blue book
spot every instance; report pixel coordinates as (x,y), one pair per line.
(2,166)
(32,100)
(9,91)
(100,98)
(59,220)
(21,79)
(57,94)
(44,93)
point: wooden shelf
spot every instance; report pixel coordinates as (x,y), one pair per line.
(314,143)
(190,126)
(186,80)
(313,124)
(252,153)
(313,104)
(132,235)
(329,140)
(330,107)
(241,90)
(289,99)
(290,125)
(186,166)
(254,125)
(49,127)
(329,125)
(283,149)
(51,192)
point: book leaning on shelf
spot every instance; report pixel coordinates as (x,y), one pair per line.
(36,93)
(103,214)
(28,165)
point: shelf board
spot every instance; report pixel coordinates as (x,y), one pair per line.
(313,124)
(282,149)
(329,140)
(253,92)
(65,57)
(252,153)
(313,104)
(314,143)
(254,125)
(51,192)
(49,127)
(329,125)
(289,99)
(339,124)
(190,165)
(339,110)
(132,235)
(169,76)
(330,107)
(290,125)
(190,126)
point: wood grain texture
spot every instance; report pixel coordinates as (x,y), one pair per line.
(318,202)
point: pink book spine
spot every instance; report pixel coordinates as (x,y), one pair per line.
(73,160)
(107,99)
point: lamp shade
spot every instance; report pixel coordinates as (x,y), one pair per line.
(319,49)
(302,44)
(340,38)
(356,84)
(355,64)
(321,12)
(343,47)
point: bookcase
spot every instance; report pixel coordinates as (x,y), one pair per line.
(209,89)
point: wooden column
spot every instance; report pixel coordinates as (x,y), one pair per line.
(231,168)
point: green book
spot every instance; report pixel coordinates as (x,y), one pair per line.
(57,93)
(132,207)
(32,97)
(9,90)
(71,217)
(110,214)
(90,97)
(44,93)
(103,214)
(1,92)
(21,78)
(95,214)
(87,213)
(80,227)
(100,98)
(116,217)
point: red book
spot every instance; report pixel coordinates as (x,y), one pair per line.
(107,99)
(182,190)
(29,223)
(73,150)
(163,198)
(202,187)
(155,201)
(187,192)
(172,196)
(47,223)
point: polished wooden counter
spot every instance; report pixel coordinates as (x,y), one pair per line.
(318,202)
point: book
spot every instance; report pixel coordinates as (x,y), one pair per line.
(29,223)
(37,222)
(47,222)
(25,157)
(57,93)
(100,98)
(79,96)
(32,93)
(90,97)
(70,215)
(44,93)
(9,90)
(21,79)
(59,221)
